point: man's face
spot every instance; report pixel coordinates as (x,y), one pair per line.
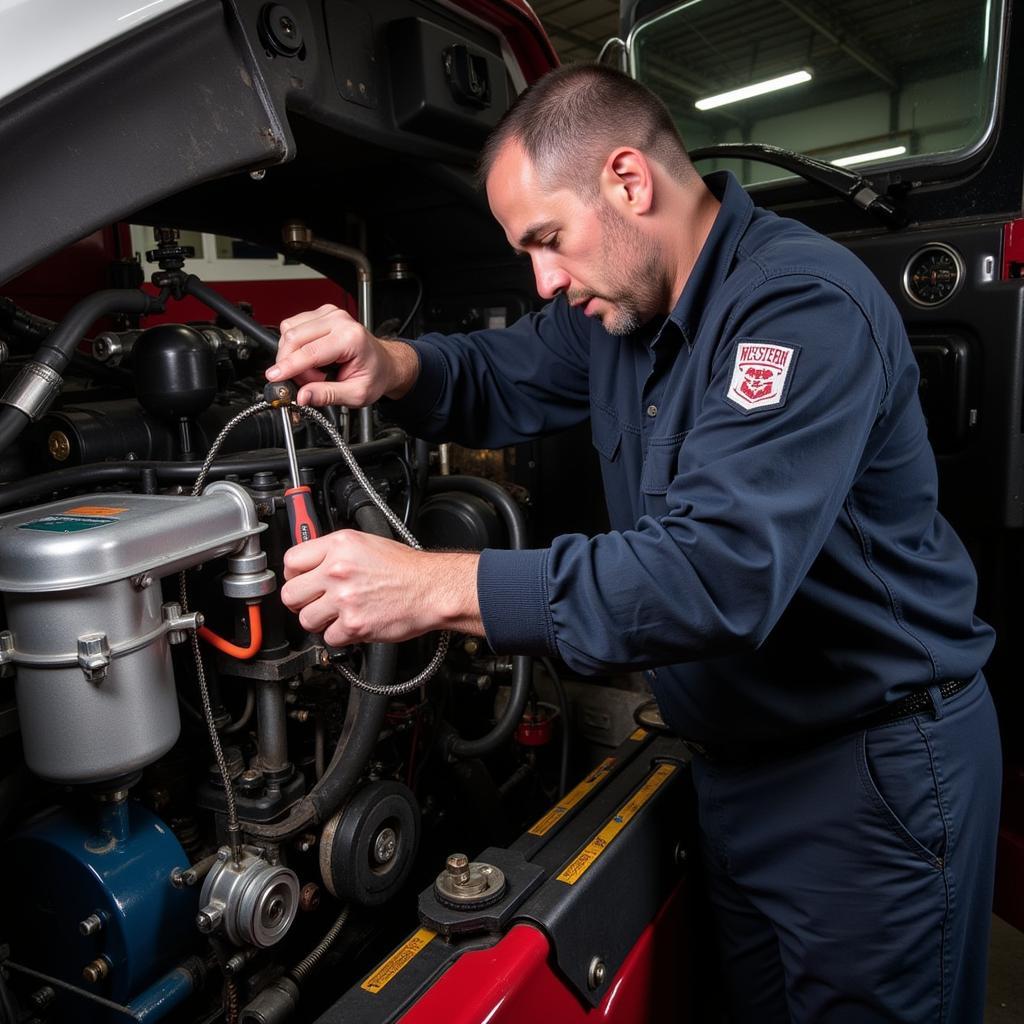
(602,261)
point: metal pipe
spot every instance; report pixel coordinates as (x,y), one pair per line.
(298,238)
(168,992)
(271,725)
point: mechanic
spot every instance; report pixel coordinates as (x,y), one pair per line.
(776,561)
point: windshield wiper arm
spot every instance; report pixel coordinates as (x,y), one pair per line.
(848,184)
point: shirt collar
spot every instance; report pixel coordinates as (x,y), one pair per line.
(718,253)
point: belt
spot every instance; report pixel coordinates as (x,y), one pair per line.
(895,711)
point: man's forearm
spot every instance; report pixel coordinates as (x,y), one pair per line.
(404,368)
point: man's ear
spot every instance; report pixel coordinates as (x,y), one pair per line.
(627,181)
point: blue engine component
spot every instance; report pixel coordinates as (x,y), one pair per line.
(108,900)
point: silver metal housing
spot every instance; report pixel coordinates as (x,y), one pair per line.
(252,901)
(88,630)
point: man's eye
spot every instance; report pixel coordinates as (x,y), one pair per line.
(551,242)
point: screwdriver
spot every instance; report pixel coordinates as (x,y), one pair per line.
(298,499)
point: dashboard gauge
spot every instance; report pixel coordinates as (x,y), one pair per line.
(933,275)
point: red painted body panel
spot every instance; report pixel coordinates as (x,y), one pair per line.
(1009,900)
(50,289)
(516,981)
(272,301)
(522,29)
(1013,249)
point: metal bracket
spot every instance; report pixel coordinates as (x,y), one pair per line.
(94,656)
(33,390)
(94,652)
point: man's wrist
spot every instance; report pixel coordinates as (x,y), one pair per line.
(403,368)
(453,591)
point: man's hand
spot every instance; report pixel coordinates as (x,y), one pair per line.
(368,366)
(360,588)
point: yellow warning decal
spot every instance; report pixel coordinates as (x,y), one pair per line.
(586,857)
(572,798)
(639,734)
(94,510)
(398,960)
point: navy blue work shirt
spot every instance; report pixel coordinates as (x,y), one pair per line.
(776,561)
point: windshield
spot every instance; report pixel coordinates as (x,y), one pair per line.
(862,84)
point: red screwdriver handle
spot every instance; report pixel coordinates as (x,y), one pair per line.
(302,524)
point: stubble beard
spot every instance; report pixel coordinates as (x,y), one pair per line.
(630,266)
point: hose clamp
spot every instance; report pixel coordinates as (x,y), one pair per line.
(33,390)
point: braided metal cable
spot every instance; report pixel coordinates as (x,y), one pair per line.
(233,826)
(234,829)
(302,970)
(396,524)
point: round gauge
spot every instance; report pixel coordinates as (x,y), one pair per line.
(933,275)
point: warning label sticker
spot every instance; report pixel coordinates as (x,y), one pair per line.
(398,960)
(94,510)
(638,734)
(576,869)
(572,798)
(67,523)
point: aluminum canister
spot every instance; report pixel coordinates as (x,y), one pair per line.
(89,630)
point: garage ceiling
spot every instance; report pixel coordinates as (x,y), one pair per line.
(722,43)
(853,47)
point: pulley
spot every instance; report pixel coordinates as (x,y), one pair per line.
(367,848)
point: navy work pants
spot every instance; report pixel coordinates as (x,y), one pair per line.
(852,883)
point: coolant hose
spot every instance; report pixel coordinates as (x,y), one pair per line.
(355,746)
(522,666)
(227,647)
(231,313)
(55,352)
(103,474)
(364,719)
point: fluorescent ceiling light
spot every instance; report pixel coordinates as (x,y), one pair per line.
(783,82)
(863,158)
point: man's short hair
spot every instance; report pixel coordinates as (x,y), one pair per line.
(569,120)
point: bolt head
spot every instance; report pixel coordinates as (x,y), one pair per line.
(385,845)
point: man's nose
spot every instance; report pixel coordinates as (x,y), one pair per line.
(551,278)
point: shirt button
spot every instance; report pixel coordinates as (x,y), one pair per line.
(652,410)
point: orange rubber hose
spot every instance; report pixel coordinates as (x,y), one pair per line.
(225,646)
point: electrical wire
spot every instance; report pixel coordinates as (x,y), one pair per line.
(243,719)
(563,706)
(57,983)
(412,312)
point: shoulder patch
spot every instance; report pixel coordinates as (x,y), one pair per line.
(761,374)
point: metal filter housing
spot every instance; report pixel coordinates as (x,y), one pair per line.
(88,631)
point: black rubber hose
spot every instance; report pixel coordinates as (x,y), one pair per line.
(56,350)
(522,666)
(227,309)
(97,474)
(522,677)
(364,719)
(354,749)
